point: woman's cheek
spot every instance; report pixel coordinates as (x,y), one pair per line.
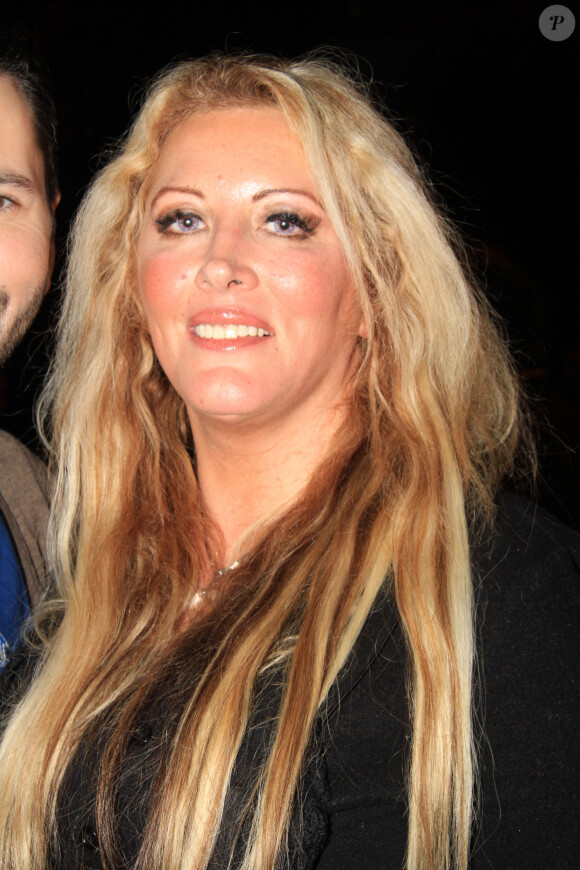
(302,284)
(162,283)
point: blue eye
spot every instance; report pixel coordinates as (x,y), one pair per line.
(178,222)
(289,224)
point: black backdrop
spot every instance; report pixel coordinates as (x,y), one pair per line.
(486,99)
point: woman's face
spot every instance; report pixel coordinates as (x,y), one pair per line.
(248,298)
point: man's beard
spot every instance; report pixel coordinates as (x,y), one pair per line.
(12,331)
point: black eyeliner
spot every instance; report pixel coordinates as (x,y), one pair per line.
(291,218)
(165,221)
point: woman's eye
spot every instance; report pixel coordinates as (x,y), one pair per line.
(289,224)
(179,222)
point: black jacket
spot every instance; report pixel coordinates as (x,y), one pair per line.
(527,712)
(355,809)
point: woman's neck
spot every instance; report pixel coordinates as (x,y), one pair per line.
(247,473)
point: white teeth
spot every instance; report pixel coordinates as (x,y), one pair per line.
(230,330)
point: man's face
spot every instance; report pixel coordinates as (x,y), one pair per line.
(26,247)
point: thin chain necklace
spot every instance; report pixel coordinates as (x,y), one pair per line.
(217,575)
(219,572)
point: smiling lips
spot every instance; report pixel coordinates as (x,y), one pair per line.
(229,330)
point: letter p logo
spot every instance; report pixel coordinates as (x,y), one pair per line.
(557,23)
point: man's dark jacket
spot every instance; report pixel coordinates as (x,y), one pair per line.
(24,507)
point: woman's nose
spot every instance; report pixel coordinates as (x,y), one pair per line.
(227,264)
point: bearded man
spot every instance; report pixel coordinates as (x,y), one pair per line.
(28,199)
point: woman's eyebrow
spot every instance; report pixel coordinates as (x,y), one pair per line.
(189,191)
(274,190)
(261,194)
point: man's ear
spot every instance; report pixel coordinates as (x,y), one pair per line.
(53,206)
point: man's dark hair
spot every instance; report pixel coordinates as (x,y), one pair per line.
(21,62)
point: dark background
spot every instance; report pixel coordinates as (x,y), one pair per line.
(485,99)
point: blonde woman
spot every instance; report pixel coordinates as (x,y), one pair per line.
(279,419)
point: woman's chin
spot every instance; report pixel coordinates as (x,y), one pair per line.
(227,410)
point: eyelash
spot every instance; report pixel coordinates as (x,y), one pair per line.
(167,220)
(292,218)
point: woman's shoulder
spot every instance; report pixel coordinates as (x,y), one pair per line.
(526,585)
(530,524)
(526,589)
(525,524)
(529,566)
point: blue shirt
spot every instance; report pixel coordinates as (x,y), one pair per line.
(14,604)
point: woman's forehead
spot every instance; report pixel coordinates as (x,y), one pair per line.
(224,144)
(260,119)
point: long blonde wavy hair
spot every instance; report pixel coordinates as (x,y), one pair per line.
(432,428)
